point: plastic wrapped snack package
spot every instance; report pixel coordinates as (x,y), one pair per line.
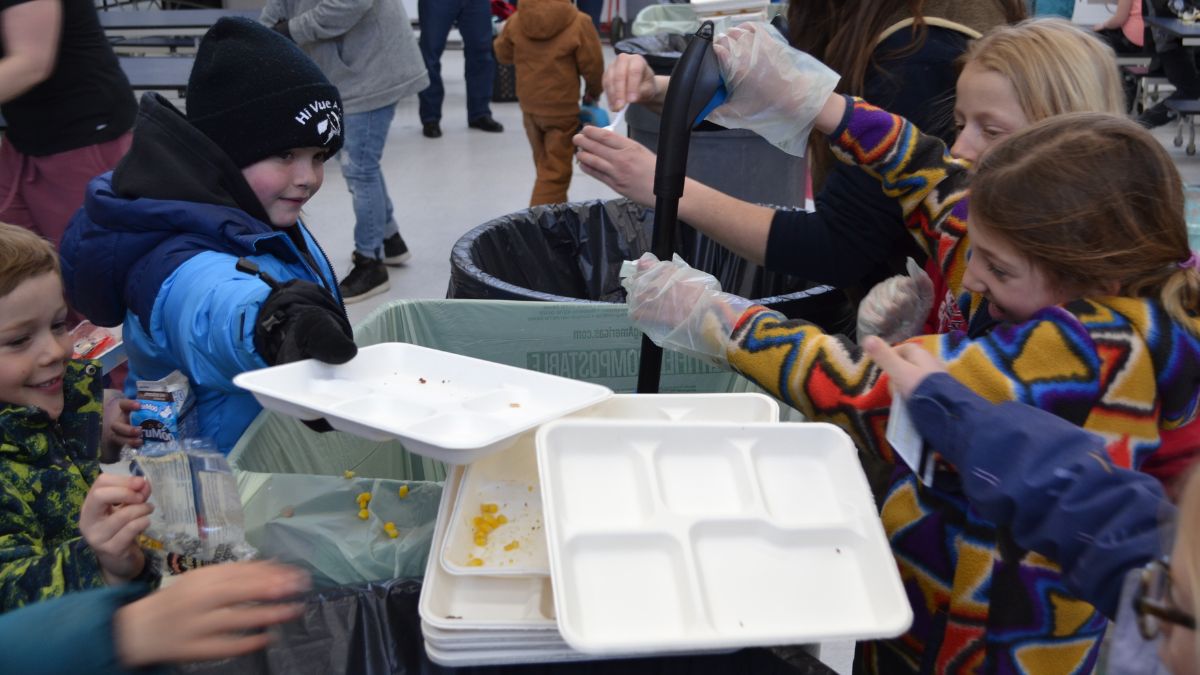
(774,90)
(315,522)
(197,512)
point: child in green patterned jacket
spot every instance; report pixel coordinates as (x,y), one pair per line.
(63,526)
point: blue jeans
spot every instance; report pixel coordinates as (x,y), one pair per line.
(474,19)
(366,134)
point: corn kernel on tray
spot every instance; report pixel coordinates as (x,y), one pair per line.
(449,407)
(666,537)
(511,540)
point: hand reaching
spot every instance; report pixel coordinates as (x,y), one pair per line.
(621,163)
(907,365)
(209,613)
(896,308)
(682,308)
(629,80)
(114,513)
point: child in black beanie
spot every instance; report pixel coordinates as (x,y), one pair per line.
(159,239)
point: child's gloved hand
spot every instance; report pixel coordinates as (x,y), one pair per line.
(682,309)
(114,513)
(301,320)
(774,90)
(896,308)
(117,431)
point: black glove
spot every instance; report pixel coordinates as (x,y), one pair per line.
(301,320)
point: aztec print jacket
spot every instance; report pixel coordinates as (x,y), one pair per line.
(46,468)
(1120,367)
(918,172)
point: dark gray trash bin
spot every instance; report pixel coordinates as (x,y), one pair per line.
(573,253)
(737,162)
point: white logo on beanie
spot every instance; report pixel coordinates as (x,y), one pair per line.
(329,126)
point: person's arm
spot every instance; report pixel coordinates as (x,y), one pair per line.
(1119,17)
(1050,482)
(31,32)
(328,20)
(912,167)
(590,58)
(831,379)
(72,633)
(852,229)
(209,613)
(503,44)
(31,571)
(205,315)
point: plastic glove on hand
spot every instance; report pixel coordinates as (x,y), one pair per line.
(301,320)
(774,90)
(896,308)
(682,309)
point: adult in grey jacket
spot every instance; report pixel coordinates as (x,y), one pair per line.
(368,51)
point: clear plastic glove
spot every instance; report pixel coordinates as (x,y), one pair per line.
(774,90)
(896,308)
(683,309)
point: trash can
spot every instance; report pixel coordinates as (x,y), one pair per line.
(573,253)
(374,626)
(737,162)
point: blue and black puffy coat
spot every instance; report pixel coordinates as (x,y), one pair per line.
(155,247)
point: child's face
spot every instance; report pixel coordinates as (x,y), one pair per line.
(986,110)
(285,182)
(34,344)
(1015,287)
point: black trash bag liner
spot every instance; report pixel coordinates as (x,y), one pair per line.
(573,253)
(375,629)
(660,51)
(366,629)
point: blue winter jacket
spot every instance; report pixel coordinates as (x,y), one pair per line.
(1049,482)
(155,247)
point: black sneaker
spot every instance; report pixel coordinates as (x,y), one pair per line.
(395,252)
(486,123)
(1156,116)
(431,130)
(368,277)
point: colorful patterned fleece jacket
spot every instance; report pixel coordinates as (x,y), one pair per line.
(1118,366)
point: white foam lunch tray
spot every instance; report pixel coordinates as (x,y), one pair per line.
(480,603)
(667,537)
(509,479)
(453,408)
(491,639)
(501,657)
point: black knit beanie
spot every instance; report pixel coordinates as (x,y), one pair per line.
(254,93)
